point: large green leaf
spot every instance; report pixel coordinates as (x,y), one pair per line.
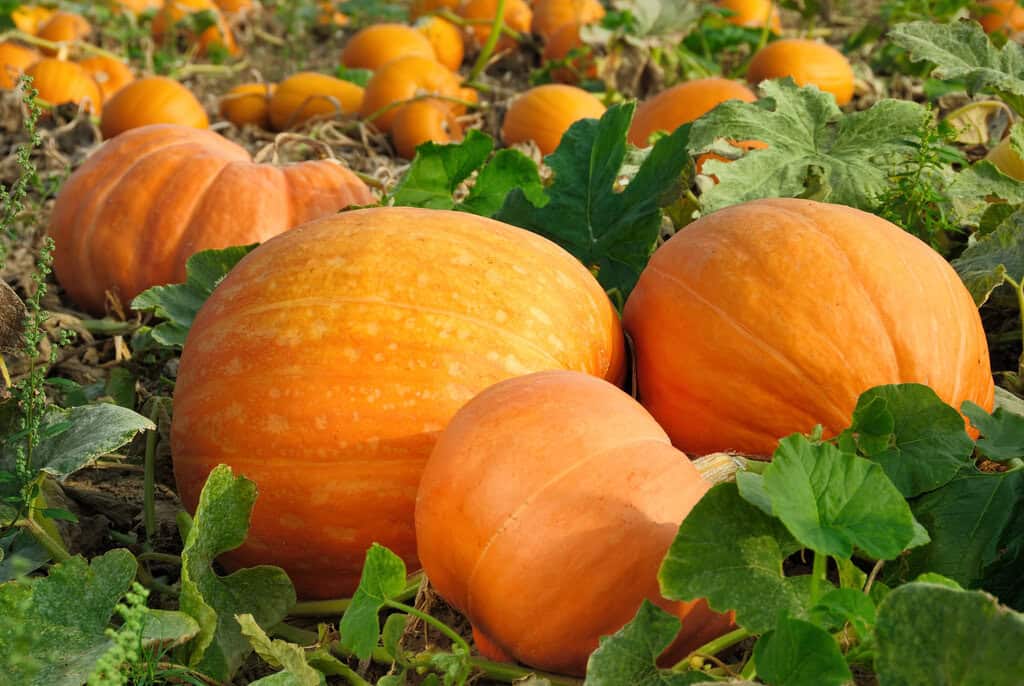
(1002,432)
(989,260)
(974,191)
(798,653)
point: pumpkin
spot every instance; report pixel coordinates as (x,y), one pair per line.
(744,146)
(446,40)
(543,115)
(681,104)
(772,316)
(152,100)
(544,513)
(130,216)
(308,94)
(172,20)
(518,16)
(421,8)
(330,16)
(63,27)
(136,6)
(60,82)
(421,121)
(551,15)
(808,62)
(1000,15)
(752,13)
(558,47)
(111,75)
(376,45)
(234,6)
(369,330)
(1006,160)
(30,18)
(406,78)
(14,60)
(248,103)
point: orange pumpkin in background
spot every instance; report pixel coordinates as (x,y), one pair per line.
(559,485)
(369,330)
(446,40)
(173,19)
(137,6)
(376,45)
(235,6)
(808,62)
(518,16)
(1000,15)
(543,115)
(753,13)
(64,27)
(132,215)
(682,104)
(30,18)
(772,316)
(308,94)
(422,121)
(14,60)
(744,146)
(421,8)
(248,103)
(406,78)
(60,82)
(152,100)
(549,16)
(111,75)
(558,47)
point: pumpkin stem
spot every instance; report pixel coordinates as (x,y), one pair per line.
(712,648)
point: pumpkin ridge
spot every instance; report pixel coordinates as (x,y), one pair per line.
(193,224)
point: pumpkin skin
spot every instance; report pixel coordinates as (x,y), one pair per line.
(808,62)
(408,313)
(111,75)
(309,94)
(406,78)
(175,11)
(59,82)
(1003,15)
(753,13)
(772,316)
(422,121)
(548,487)
(1006,160)
(63,27)
(234,6)
(136,6)
(373,47)
(152,100)
(551,15)
(14,60)
(446,40)
(131,216)
(543,115)
(518,16)
(681,104)
(248,103)
(30,18)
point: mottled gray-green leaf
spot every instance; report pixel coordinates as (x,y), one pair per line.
(798,653)
(1002,432)
(383,578)
(989,260)
(282,655)
(974,189)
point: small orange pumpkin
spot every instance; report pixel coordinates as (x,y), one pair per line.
(64,27)
(808,62)
(308,94)
(543,115)
(551,486)
(248,103)
(234,6)
(152,100)
(403,79)
(174,12)
(1000,15)
(422,121)
(772,316)
(558,47)
(376,45)
(59,82)
(14,60)
(681,104)
(30,18)
(518,16)
(753,13)
(131,216)
(549,16)
(446,40)
(111,75)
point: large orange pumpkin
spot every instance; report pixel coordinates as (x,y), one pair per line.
(110,74)
(376,45)
(60,82)
(152,100)
(306,95)
(809,62)
(1000,15)
(551,15)
(64,27)
(406,78)
(543,114)
(683,103)
(752,13)
(518,16)
(131,216)
(14,60)
(328,361)
(544,513)
(772,316)
(171,19)
(248,103)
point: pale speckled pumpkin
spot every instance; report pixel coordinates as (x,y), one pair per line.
(328,361)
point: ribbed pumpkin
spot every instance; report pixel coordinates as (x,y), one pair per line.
(772,316)
(1000,15)
(152,100)
(248,103)
(422,121)
(14,60)
(558,47)
(753,13)
(308,94)
(551,15)
(446,40)
(543,114)
(111,75)
(327,362)
(130,216)
(544,513)
(60,82)
(64,27)
(518,16)
(1006,160)
(808,62)
(376,45)
(170,20)
(403,79)
(30,18)
(684,103)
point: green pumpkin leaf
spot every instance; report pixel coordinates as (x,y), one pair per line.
(282,655)
(842,605)
(975,194)
(1002,432)
(178,304)
(730,552)
(220,524)
(989,260)
(798,653)
(932,634)
(383,579)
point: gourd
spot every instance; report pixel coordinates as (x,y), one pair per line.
(421,121)
(405,78)
(152,100)
(169,20)
(518,16)
(1000,15)
(544,513)
(14,60)
(446,40)
(327,362)
(559,45)
(551,15)
(753,13)
(1006,160)
(60,82)
(63,27)
(808,62)
(110,74)
(376,45)
(772,316)
(130,216)
(543,114)
(306,95)
(681,104)
(248,103)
